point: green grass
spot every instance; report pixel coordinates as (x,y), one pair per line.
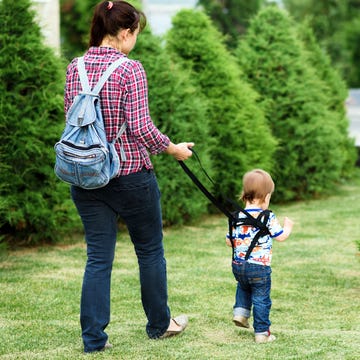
(315,293)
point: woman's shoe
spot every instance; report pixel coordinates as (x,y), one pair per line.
(107,346)
(176,327)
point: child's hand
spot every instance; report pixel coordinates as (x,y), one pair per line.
(288,223)
(228,242)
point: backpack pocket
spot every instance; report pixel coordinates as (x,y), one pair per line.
(88,168)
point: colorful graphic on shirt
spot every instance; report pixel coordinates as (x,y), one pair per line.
(243,235)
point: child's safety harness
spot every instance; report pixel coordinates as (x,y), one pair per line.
(234,219)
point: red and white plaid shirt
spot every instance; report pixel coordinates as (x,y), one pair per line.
(124,98)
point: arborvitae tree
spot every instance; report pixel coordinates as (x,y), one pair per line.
(231,16)
(335,89)
(178,110)
(241,138)
(75,23)
(32,205)
(337,28)
(351,69)
(308,161)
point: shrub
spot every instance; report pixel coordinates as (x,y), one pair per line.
(178,110)
(335,89)
(336,26)
(308,162)
(32,206)
(237,126)
(75,24)
(232,16)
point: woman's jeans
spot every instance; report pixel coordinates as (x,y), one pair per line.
(253,289)
(136,199)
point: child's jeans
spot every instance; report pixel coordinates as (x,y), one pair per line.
(253,289)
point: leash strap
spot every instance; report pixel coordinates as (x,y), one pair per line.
(259,222)
(205,191)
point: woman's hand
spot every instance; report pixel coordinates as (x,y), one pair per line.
(180,151)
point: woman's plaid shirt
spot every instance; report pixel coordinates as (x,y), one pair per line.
(124,97)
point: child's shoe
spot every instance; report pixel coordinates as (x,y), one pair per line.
(262,338)
(241,321)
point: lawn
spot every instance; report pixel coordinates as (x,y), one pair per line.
(315,293)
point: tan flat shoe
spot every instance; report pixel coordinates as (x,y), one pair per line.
(180,322)
(106,346)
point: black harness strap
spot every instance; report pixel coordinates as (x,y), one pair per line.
(263,217)
(233,216)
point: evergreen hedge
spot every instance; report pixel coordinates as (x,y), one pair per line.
(336,26)
(32,206)
(178,110)
(336,91)
(277,105)
(231,17)
(75,23)
(308,160)
(240,137)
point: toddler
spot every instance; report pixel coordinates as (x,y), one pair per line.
(254,274)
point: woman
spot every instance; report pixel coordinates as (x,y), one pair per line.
(133,195)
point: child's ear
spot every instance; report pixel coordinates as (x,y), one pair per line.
(268,197)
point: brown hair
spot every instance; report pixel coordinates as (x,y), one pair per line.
(257,184)
(112,16)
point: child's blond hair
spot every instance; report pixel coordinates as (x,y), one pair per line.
(257,184)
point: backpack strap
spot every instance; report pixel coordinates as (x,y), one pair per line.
(107,74)
(83,75)
(120,132)
(97,88)
(85,80)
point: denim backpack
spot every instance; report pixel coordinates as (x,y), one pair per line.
(84,157)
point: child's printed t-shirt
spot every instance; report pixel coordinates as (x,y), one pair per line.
(244,234)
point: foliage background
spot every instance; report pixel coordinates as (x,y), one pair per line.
(336,26)
(241,136)
(242,108)
(295,103)
(231,17)
(34,205)
(179,111)
(75,23)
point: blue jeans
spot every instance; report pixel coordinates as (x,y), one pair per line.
(253,290)
(136,199)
